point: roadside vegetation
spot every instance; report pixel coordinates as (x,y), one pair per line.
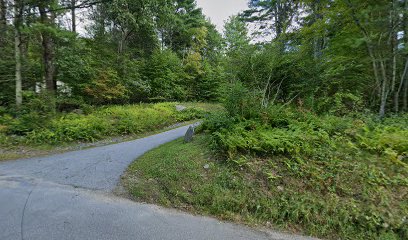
(313,134)
(37,130)
(326,176)
(102,122)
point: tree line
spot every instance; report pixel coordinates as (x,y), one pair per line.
(329,56)
(328,53)
(130,51)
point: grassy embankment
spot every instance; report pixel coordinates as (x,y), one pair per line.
(326,176)
(29,136)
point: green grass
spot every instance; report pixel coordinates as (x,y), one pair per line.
(103,122)
(174,175)
(20,151)
(335,178)
(34,134)
(207,107)
(8,156)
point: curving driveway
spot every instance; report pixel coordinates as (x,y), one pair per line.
(68,196)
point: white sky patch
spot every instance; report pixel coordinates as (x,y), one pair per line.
(220,10)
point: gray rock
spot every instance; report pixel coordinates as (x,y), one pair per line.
(180,108)
(78,111)
(206,166)
(189,135)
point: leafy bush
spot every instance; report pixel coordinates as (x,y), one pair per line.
(68,104)
(164,73)
(71,127)
(241,103)
(34,114)
(389,138)
(342,103)
(354,164)
(284,130)
(106,88)
(101,122)
(217,121)
(337,193)
(337,177)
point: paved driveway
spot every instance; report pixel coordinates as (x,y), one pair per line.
(68,196)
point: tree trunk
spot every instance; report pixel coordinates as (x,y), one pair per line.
(278,20)
(401,85)
(48,51)
(394,70)
(318,41)
(18,51)
(73,16)
(405,98)
(394,19)
(3,22)
(374,50)
(3,13)
(382,106)
(405,39)
(384,90)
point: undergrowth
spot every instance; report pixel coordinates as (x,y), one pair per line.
(99,123)
(343,176)
(335,177)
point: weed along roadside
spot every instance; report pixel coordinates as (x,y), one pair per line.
(302,104)
(324,179)
(98,127)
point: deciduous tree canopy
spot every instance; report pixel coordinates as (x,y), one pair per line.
(315,53)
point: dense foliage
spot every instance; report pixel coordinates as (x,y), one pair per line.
(131,51)
(336,176)
(315,129)
(294,131)
(316,54)
(95,125)
(326,176)
(325,50)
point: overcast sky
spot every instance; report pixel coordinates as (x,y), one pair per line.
(219,10)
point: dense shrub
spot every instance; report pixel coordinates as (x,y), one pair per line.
(240,102)
(102,122)
(35,113)
(282,129)
(339,176)
(165,75)
(337,193)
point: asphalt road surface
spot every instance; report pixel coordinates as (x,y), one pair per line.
(69,196)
